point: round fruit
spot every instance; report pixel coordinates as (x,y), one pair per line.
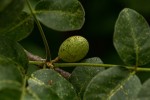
(73,49)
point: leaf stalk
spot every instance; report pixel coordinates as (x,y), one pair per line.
(47,49)
(90,65)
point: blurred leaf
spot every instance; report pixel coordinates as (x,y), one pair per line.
(82,75)
(132,38)
(13,63)
(4,4)
(144,93)
(13,51)
(49,85)
(136,4)
(11,79)
(9,12)
(29,95)
(115,83)
(20,28)
(61,15)
(32,68)
(9,70)
(33,4)
(10,90)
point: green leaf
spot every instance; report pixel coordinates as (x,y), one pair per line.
(82,75)
(132,38)
(9,11)
(49,85)
(10,90)
(144,93)
(13,51)
(33,4)
(61,15)
(20,28)
(4,4)
(29,95)
(32,68)
(11,79)
(10,70)
(115,83)
(13,63)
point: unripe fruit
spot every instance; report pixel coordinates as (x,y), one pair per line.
(73,49)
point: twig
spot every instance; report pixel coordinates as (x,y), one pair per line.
(47,49)
(33,57)
(63,73)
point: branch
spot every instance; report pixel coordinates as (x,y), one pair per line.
(47,49)
(63,73)
(33,57)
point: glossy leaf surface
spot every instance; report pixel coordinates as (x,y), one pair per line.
(132,38)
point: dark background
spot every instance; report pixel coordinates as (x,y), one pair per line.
(98,29)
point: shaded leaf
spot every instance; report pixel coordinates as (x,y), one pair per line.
(115,83)
(144,93)
(61,15)
(9,12)
(10,90)
(11,79)
(13,51)
(13,62)
(32,68)
(49,85)
(82,75)
(33,4)
(10,70)
(20,28)
(132,38)
(4,4)
(29,95)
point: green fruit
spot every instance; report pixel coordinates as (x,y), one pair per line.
(73,49)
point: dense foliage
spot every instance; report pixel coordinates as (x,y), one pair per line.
(91,78)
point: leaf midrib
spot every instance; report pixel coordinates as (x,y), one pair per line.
(119,86)
(59,11)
